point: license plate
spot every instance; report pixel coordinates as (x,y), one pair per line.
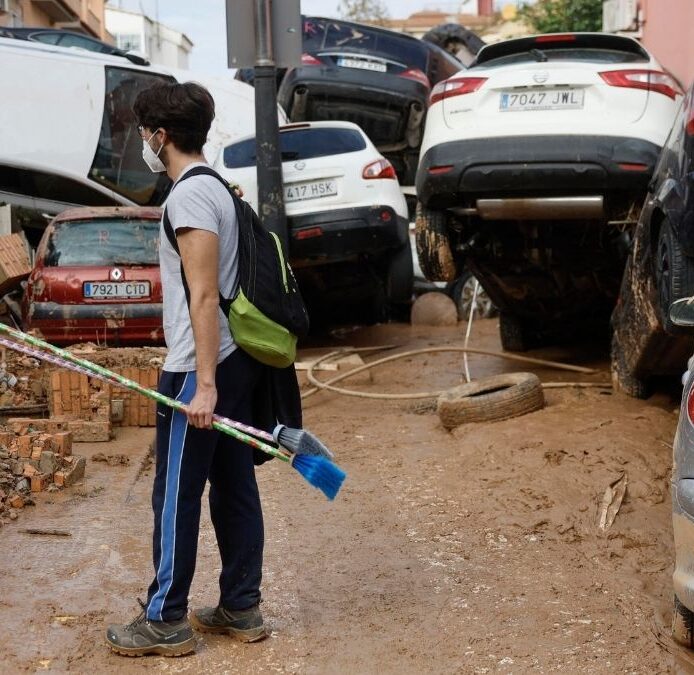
(297,192)
(104,290)
(363,64)
(547,99)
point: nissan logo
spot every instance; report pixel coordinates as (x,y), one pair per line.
(300,166)
(541,77)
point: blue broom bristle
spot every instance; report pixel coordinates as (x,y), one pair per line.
(321,473)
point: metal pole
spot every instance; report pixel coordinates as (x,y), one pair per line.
(267,139)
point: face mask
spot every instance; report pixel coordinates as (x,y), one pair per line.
(152,158)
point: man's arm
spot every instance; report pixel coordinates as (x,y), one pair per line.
(200,254)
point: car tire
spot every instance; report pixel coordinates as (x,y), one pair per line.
(399,278)
(682,624)
(622,379)
(493,398)
(462,290)
(433,245)
(674,273)
(513,335)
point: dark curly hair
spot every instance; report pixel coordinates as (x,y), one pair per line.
(185,111)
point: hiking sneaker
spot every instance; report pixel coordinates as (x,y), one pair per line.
(143,636)
(245,625)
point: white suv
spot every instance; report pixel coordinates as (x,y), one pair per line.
(347,217)
(534,165)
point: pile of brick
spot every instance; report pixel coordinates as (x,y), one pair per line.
(33,461)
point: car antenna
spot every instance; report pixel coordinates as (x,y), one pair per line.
(539,55)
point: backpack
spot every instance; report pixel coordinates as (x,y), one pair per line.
(266,313)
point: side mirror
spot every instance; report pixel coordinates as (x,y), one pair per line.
(682,312)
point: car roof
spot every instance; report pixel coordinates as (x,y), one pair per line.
(98,212)
(569,40)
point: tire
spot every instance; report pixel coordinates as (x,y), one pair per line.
(433,245)
(622,379)
(674,273)
(682,624)
(462,291)
(514,337)
(493,398)
(399,278)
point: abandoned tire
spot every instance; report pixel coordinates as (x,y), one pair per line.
(622,379)
(682,624)
(462,291)
(493,398)
(433,245)
(513,335)
(674,274)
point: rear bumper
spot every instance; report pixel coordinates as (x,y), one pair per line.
(380,104)
(534,165)
(134,324)
(334,236)
(683,530)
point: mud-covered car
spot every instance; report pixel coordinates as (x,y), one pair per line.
(646,343)
(376,78)
(535,163)
(96,278)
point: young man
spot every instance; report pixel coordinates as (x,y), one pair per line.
(205,370)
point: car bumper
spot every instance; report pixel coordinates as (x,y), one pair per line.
(343,234)
(533,165)
(351,95)
(134,324)
(683,530)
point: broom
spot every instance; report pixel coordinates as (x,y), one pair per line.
(312,463)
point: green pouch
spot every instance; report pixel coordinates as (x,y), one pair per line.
(264,339)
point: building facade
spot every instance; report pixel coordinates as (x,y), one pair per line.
(159,43)
(82,16)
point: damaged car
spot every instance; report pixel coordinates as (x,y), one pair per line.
(534,167)
(96,278)
(376,78)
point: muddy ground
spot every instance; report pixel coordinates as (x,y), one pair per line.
(474,551)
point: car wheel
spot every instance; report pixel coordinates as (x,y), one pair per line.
(399,279)
(513,335)
(682,624)
(462,290)
(622,379)
(433,245)
(674,272)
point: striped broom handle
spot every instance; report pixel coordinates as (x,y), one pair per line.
(223,424)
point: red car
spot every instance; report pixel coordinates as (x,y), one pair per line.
(96,278)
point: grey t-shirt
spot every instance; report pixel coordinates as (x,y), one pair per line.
(203,203)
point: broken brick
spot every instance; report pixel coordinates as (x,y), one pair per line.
(40,482)
(24,446)
(17,502)
(29,471)
(76,472)
(62,443)
(59,478)
(48,462)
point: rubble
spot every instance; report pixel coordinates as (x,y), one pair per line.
(32,460)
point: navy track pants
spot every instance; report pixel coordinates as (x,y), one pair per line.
(187,458)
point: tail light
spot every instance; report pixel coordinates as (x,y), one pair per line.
(309,60)
(417,75)
(381,168)
(649,80)
(560,37)
(456,86)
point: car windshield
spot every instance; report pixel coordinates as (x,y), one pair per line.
(325,34)
(298,144)
(608,56)
(103,242)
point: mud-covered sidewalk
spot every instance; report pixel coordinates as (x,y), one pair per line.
(475,551)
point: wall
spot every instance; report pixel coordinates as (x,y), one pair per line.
(89,17)
(667,34)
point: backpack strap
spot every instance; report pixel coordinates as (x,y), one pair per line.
(171,233)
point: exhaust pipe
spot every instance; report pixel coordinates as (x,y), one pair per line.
(413,133)
(542,208)
(298,111)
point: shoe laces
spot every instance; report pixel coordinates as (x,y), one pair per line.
(140,618)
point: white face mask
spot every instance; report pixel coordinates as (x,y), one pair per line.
(152,158)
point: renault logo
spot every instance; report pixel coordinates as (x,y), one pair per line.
(541,77)
(116,274)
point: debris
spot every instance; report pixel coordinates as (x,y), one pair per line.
(434,309)
(111,460)
(611,502)
(47,533)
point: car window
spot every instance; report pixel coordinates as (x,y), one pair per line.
(72,40)
(299,144)
(47,38)
(118,161)
(324,34)
(607,56)
(103,242)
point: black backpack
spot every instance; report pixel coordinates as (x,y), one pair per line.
(266,313)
